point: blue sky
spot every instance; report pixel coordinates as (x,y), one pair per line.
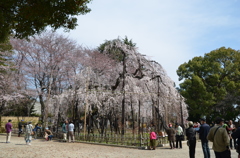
(170,32)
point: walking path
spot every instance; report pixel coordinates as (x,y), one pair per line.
(51,149)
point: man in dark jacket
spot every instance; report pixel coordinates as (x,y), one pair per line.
(20,126)
(191,137)
(236,135)
(203,132)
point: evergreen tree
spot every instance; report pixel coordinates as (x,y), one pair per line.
(211,84)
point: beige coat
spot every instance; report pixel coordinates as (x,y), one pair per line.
(220,140)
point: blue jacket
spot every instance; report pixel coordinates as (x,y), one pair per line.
(203,131)
(36,128)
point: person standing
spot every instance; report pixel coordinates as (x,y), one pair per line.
(71,131)
(230,129)
(203,132)
(171,136)
(153,137)
(219,136)
(8,128)
(20,126)
(65,130)
(28,133)
(191,137)
(236,135)
(179,133)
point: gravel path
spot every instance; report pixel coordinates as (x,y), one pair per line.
(51,149)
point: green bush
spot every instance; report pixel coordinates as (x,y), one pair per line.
(2,130)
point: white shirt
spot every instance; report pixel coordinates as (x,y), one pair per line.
(29,128)
(71,127)
(179,130)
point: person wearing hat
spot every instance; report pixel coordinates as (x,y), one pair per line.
(191,137)
(219,136)
(8,128)
(203,132)
(171,136)
(28,133)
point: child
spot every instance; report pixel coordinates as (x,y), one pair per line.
(153,138)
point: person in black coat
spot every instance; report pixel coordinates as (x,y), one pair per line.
(236,135)
(191,137)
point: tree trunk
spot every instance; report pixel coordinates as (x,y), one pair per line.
(133,123)
(139,118)
(123,90)
(42,110)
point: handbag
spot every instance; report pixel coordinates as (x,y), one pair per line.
(181,137)
(32,133)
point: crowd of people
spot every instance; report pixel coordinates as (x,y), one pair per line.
(23,127)
(30,132)
(223,135)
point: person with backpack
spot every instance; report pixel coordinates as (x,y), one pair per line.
(219,136)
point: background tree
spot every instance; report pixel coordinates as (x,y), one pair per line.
(23,107)
(117,49)
(11,82)
(112,48)
(46,61)
(212,84)
(70,80)
(25,18)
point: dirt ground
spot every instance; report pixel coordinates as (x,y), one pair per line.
(51,149)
